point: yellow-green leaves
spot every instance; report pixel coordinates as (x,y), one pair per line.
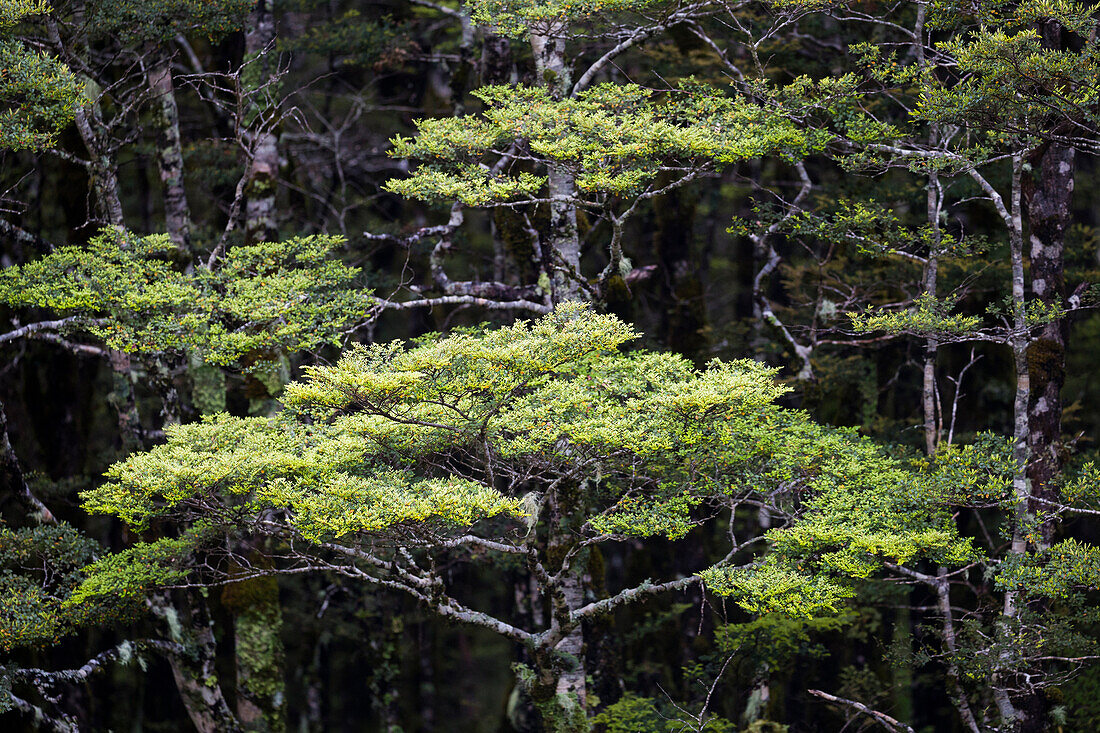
(416,440)
(130,294)
(326,478)
(613,139)
(383,501)
(770,588)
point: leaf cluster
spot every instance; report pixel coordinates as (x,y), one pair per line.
(131,294)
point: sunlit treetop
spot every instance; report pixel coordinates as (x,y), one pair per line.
(615,139)
(420,442)
(131,294)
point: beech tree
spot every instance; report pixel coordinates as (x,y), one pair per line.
(532,444)
(905,237)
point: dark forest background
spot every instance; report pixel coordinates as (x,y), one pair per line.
(230,123)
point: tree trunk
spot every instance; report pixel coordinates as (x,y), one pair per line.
(950,640)
(559,691)
(257,626)
(1020,485)
(1048,208)
(263,140)
(102,171)
(89,123)
(195,674)
(177,213)
(562,238)
(931,344)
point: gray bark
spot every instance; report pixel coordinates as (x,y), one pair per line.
(177,213)
(263,141)
(1020,484)
(562,238)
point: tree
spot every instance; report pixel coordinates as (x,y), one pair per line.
(40,94)
(471,445)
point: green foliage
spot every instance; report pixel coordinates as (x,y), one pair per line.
(614,139)
(355,40)
(775,640)
(517,17)
(977,473)
(866,508)
(770,587)
(635,714)
(376,444)
(39,569)
(38,94)
(927,316)
(126,576)
(138,21)
(631,714)
(1009,81)
(129,293)
(1064,570)
(327,476)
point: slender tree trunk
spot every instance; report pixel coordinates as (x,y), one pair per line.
(103,172)
(104,178)
(931,344)
(177,213)
(562,238)
(89,123)
(931,348)
(934,201)
(1020,484)
(950,640)
(760,698)
(263,141)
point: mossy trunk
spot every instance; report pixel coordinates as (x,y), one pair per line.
(259,655)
